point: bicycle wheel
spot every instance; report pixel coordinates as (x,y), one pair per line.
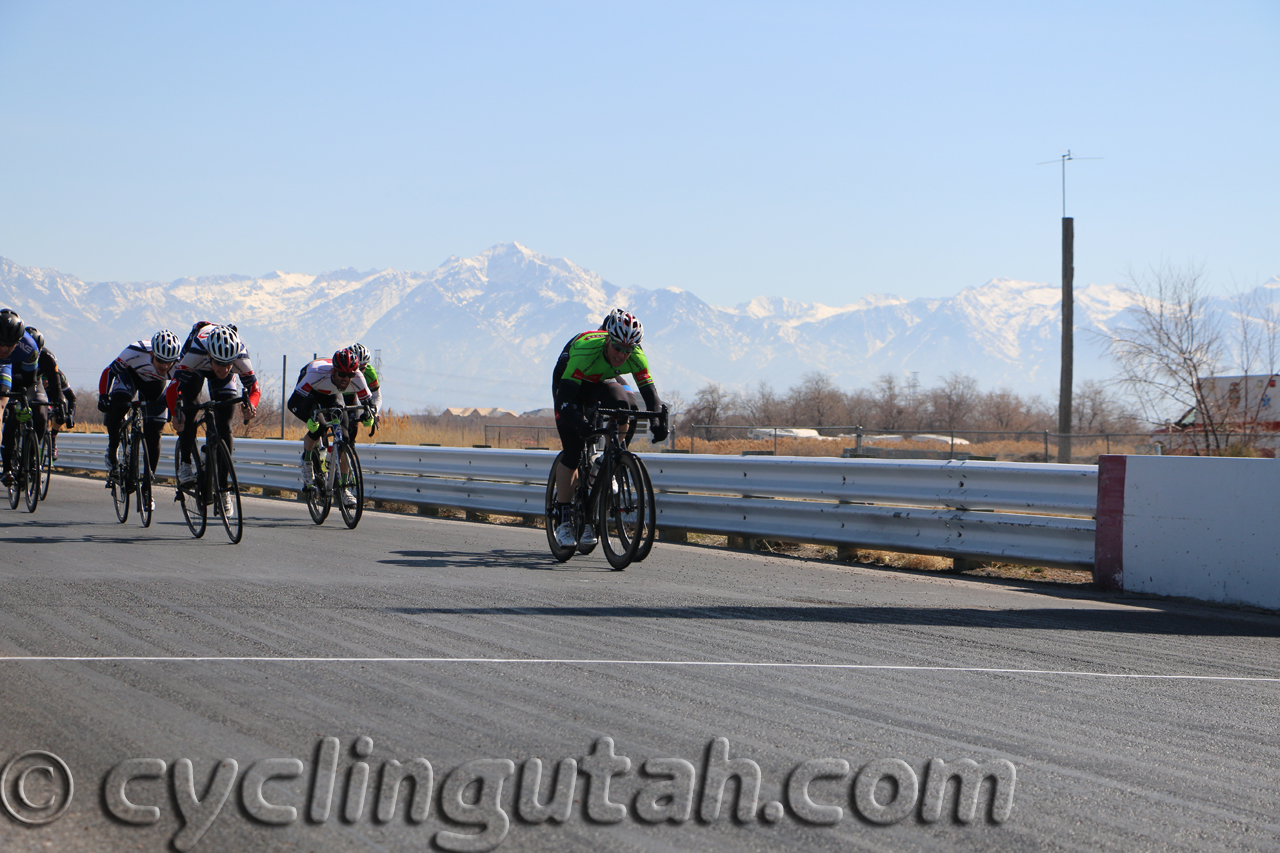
(119,483)
(355,482)
(650,512)
(142,482)
(561,553)
(31,472)
(620,506)
(232,520)
(15,480)
(194,509)
(46,464)
(319,498)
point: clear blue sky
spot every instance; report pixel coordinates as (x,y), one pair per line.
(819,151)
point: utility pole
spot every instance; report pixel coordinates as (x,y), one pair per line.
(1066,384)
(284,389)
(1068,339)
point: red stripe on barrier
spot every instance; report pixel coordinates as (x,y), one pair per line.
(1108,547)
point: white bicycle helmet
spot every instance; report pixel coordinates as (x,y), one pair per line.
(623,328)
(362,354)
(223,345)
(166,346)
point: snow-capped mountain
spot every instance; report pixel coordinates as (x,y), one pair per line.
(486,330)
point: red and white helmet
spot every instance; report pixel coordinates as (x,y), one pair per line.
(624,329)
(345,361)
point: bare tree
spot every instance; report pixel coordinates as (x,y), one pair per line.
(1248,404)
(712,405)
(763,407)
(952,404)
(1174,342)
(816,400)
(889,407)
(1095,411)
(1002,410)
(675,403)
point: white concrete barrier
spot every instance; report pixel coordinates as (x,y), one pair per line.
(1193,526)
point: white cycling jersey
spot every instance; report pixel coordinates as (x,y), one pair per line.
(197,359)
(136,360)
(317,382)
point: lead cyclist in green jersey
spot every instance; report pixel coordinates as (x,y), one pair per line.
(583,376)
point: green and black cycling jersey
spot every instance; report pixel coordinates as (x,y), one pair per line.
(582,362)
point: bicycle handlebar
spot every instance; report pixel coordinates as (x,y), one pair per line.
(200,407)
(631,413)
(324,410)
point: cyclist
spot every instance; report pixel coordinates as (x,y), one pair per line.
(322,383)
(50,388)
(141,370)
(581,378)
(19,363)
(216,354)
(63,417)
(361,352)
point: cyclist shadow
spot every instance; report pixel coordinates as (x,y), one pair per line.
(495,559)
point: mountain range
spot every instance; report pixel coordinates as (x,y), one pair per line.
(486,330)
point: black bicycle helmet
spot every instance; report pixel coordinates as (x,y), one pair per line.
(11,328)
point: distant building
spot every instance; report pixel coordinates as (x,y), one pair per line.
(1237,402)
(472,412)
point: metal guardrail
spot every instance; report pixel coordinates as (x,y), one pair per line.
(970,510)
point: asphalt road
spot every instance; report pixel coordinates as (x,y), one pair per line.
(1107,723)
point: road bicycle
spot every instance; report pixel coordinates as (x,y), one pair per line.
(335,466)
(215,481)
(613,492)
(25,464)
(133,474)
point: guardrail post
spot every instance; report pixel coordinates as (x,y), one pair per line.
(429,511)
(673,534)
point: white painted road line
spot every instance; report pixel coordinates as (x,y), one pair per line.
(673,663)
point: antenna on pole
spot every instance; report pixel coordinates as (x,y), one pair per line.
(1063,159)
(1066,381)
